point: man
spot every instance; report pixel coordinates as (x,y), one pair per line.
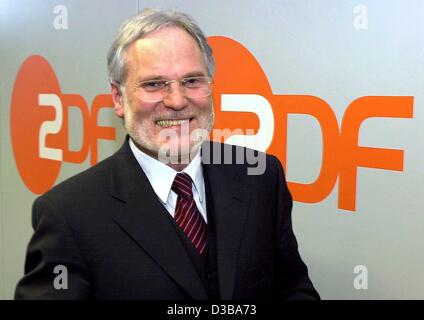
(154,221)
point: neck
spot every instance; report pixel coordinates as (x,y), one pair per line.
(178,167)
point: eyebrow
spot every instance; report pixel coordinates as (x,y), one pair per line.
(195,74)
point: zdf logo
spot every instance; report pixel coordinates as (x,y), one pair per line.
(39,124)
(244,99)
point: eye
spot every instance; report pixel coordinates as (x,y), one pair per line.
(193,82)
(153,85)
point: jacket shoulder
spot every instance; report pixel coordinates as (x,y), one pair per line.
(94,180)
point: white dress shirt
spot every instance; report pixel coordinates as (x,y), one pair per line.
(161,177)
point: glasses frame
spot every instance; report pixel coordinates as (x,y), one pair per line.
(167,87)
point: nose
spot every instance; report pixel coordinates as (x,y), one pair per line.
(175,98)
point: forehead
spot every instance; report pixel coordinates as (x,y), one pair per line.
(170,51)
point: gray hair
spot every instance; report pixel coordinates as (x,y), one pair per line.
(139,26)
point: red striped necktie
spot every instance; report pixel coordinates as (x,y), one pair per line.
(187,215)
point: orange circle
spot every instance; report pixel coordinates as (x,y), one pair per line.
(34,77)
(237,72)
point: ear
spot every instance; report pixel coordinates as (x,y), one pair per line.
(117,100)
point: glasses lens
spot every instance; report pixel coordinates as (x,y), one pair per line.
(152,90)
(196,87)
(157,90)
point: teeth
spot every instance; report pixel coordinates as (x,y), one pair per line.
(169,123)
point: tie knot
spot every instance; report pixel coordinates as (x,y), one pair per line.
(182,185)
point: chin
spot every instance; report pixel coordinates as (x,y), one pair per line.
(178,154)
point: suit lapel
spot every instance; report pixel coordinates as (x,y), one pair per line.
(230,202)
(144,219)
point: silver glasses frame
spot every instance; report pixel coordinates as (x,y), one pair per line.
(166,89)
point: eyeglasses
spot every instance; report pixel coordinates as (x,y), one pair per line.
(157,90)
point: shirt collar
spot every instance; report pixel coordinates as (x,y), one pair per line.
(161,176)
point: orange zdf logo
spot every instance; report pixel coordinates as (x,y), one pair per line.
(39,125)
(40,138)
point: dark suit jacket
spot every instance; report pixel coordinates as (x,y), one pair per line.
(107,227)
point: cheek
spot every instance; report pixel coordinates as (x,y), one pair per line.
(141,111)
(205,106)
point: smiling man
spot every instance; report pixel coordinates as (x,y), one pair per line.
(155,220)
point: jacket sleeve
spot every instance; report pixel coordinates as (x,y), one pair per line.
(293,282)
(54,266)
